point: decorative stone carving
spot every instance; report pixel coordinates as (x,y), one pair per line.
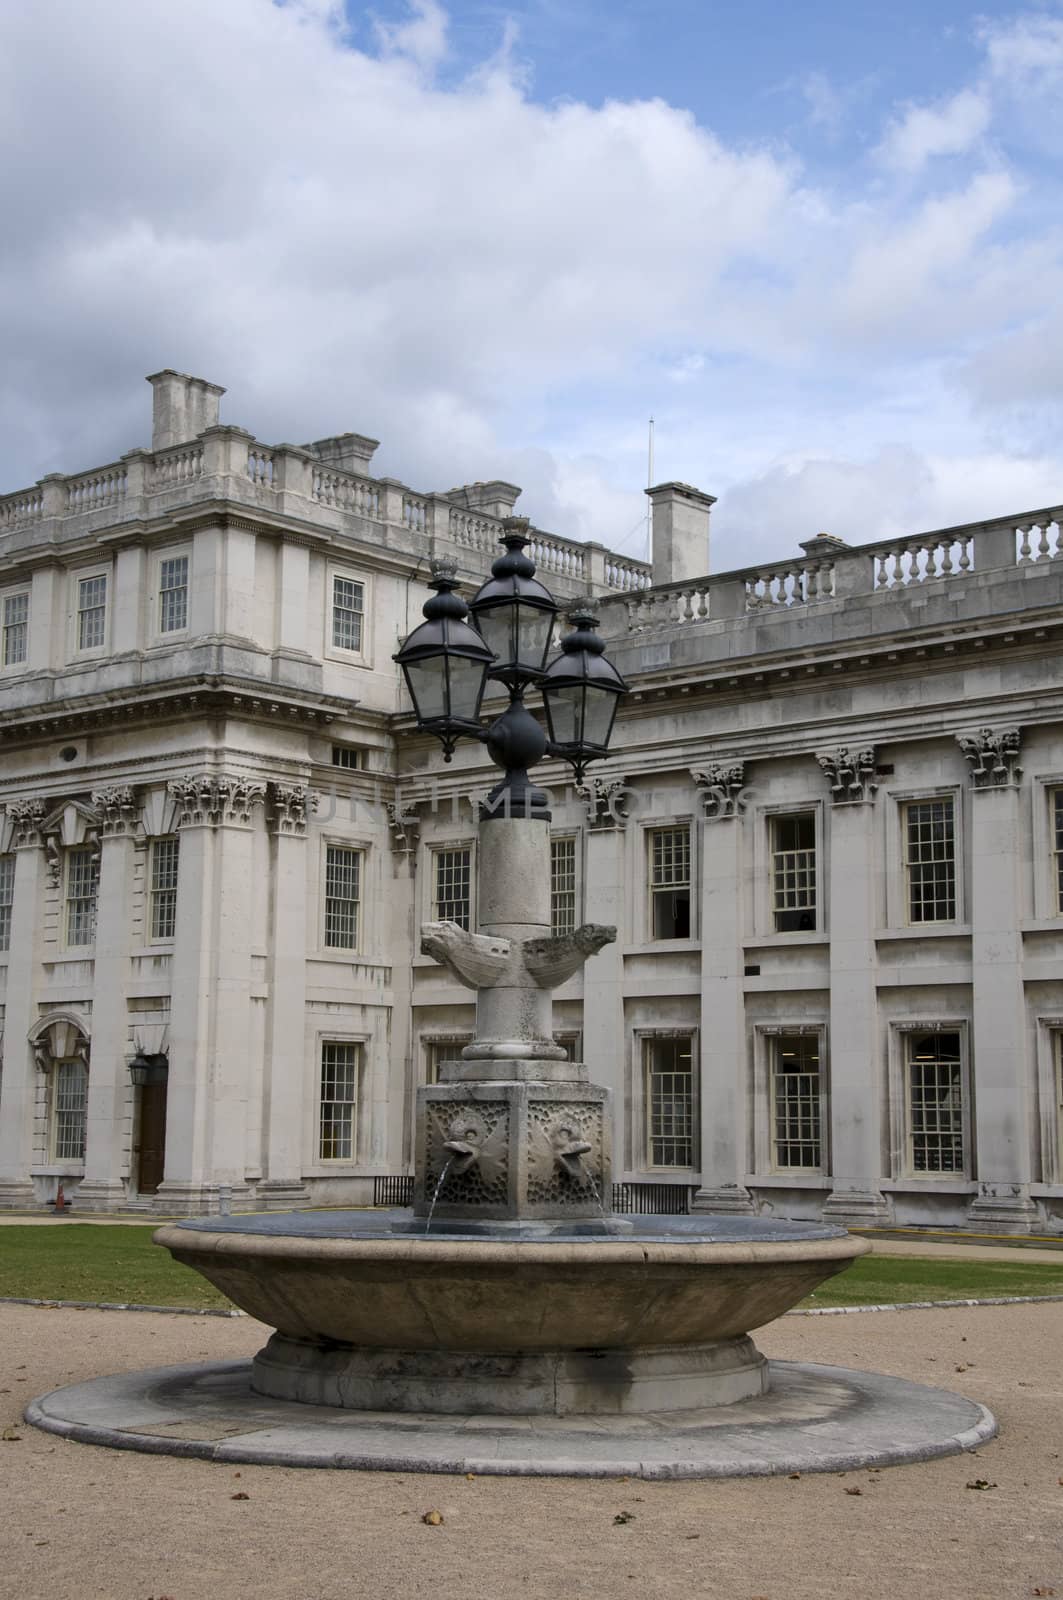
(721,786)
(404,826)
(606,802)
(59,1036)
(117,807)
(850,773)
(209,801)
(482,1127)
(72,823)
(993,755)
(481,961)
(26,819)
(290,806)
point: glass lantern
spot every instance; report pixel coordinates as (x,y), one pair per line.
(514,612)
(445,663)
(581,691)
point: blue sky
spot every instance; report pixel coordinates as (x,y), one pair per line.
(820,243)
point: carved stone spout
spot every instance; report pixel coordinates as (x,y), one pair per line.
(569,1150)
(481,961)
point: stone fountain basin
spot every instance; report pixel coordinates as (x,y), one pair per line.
(372,1318)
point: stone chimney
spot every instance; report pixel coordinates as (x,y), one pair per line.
(350,452)
(680,532)
(182,408)
(496,498)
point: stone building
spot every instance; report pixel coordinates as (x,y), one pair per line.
(831,837)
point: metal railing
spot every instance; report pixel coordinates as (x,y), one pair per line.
(638,1199)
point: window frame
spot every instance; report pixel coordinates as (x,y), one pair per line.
(78,576)
(651,890)
(641,1121)
(9,593)
(775,821)
(358,1134)
(902,1167)
(454,1043)
(763,821)
(159,559)
(897,906)
(55,1156)
(7,905)
(152,890)
(454,847)
(952,860)
(362,656)
(566,837)
(361,850)
(774,1042)
(69,900)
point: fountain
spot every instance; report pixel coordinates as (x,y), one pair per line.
(512,1307)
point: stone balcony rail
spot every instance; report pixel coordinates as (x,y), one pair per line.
(227,463)
(929,560)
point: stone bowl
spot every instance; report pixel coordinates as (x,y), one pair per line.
(373,1319)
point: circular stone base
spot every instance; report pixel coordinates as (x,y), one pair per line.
(538,1383)
(812,1419)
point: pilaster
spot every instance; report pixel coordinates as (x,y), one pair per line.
(19,1079)
(1001,1070)
(206,1125)
(855,1134)
(724,1054)
(110,1098)
(289,807)
(604,1043)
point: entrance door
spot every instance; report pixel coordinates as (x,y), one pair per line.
(152,1147)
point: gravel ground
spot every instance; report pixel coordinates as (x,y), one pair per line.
(80,1523)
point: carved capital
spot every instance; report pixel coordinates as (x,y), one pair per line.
(211,802)
(850,773)
(118,810)
(404,825)
(27,817)
(606,800)
(290,807)
(721,786)
(993,757)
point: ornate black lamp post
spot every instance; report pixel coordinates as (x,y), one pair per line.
(446,662)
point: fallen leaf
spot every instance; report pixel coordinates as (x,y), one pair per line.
(1042,1588)
(434,1519)
(9,1436)
(960,1369)
(624,1516)
(855,1490)
(239,1495)
(470,1476)
(795,1474)
(693,1535)
(980,1483)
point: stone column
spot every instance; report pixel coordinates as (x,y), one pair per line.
(1000,1069)
(110,1096)
(285,1099)
(404,829)
(854,1137)
(206,1122)
(19,1081)
(724,1053)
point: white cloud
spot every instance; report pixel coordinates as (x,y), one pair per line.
(952,127)
(491,285)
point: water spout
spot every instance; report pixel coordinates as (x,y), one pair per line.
(438,1191)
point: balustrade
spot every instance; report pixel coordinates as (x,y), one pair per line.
(920,560)
(92,490)
(183,464)
(346,491)
(415,513)
(1039,541)
(554,555)
(796,583)
(16,510)
(260,466)
(473,530)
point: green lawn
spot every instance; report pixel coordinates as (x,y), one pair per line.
(79,1261)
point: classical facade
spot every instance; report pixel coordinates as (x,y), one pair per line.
(830,836)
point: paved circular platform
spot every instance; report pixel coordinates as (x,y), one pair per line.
(814,1419)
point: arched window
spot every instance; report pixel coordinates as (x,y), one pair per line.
(70,1084)
(60,1043)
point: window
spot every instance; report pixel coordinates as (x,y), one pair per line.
(70,1093)
(562,885)
(669,1102)
(346,755)
(571,1044)
(934,1070)
(670,883)
(1057,848)
(796,1102)
(163,892)
(82,877)
(343,886)
(338,1125)
(92,613)
(348,607)
(15,628)
(793,872)
(7,896)
(451,879)
(173,594)
(436,1051)
(930,860)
